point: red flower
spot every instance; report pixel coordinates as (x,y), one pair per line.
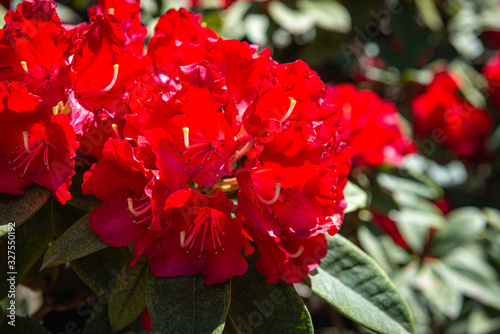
(36,147)
(372,126)
(492,72)
(202,237)
(102,71)
(128,13)
(441,112)
(119,180)
(35,48)
(390,227)
(286,209)
(188,132)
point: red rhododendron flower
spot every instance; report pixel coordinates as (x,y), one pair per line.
(441,112)
(36,147)
(372,126)
(35,48)
(492,72)
(98,101)
(202,237)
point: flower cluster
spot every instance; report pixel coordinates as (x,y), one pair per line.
(372,127)
(177,136)
(442,113)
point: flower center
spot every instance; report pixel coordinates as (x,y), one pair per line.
(198,146)
(25,154)
(296,254)
(202,221)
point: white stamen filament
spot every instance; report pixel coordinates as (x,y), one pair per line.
(272,200)
(186,136)
(135,212)
(297,253)
(290,109)
(115,131)
(113,81)
(183,239)
(26,142)
(25,67)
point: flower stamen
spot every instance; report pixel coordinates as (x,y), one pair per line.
(26,142)
(137,212)
(272,200)
(186,136)
(25,67)
(296,254)
(115,131)
(290,109)
(113,81)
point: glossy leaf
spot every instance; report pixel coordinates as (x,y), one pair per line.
(101,269)
(464,225)
(78,241)
(23,326)
(19,208)
(98,322)
(31,240)
(266,308)
(128,297)
(351,281)
(355,197)
(186,304)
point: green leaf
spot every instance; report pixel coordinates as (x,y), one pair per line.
(329,15)
(266,308)
(294,21)
(443,297)
(101,269)
(186,304)
(22,326)
(19,208)
(30,241)
(373,246)
(351,281)
(464,225)
(128,297)
(98,322)
(78,199)
(470,284)
(78,241)
(355,197)
(430,14)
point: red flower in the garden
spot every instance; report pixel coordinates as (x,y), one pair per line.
(390,227)
(240,64)
(450,119)
(372,126)
(492,72)
(128,13)
(287,209)
(188,131)
(129,202)
(36,146)
(35,48)
(103,69)
(201,237)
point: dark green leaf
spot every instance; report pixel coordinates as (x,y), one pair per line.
(128,297)
(357,287)
(101,269)
(187,305)
(19,208)
(98,323)
(23,326)
(30,241)
(78,199)
(78,241)
(464,225)
(257,307)
(230,327)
